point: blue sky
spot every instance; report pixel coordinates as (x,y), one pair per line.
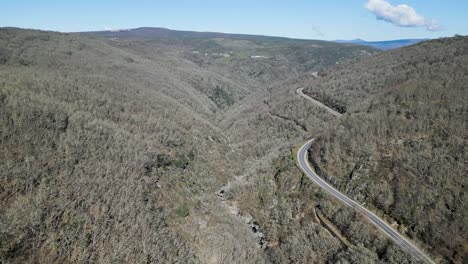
(329,20)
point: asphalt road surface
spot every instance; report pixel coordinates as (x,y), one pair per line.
(374,219)
(317,103)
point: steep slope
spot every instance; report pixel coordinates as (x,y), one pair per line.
(401,147)
(398,149)
(112,150)
(107,156)
(250,62)
(141,148)
(294,214)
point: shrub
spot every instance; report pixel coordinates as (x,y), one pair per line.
(182,211)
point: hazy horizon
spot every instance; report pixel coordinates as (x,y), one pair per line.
(232,33)
(371,20)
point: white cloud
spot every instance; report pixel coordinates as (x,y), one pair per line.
(400,15)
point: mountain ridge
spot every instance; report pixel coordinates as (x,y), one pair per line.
(385,44)
(161,32)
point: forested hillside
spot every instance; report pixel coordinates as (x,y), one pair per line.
(401,147)
(102,152)
(112,152)
(160,146)
(242,64)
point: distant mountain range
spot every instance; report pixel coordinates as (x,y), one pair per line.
(164,33)
(384,45)
(147,33)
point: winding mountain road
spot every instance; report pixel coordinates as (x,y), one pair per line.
(317,103)
(304,165)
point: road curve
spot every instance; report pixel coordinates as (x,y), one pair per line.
(317,103)
(374,219)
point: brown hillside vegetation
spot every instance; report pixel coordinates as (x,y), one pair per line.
(111,151)
(96,145)
(402,146)
(162,146)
